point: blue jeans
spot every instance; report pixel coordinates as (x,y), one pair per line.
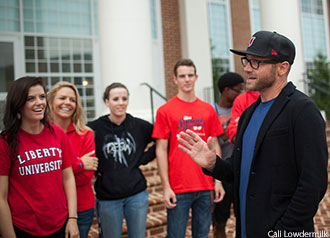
(85,219)
(177,217)
(111,212)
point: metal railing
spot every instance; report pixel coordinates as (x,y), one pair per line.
(316,84)
(151,92)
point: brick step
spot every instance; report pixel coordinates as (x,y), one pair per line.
(156,203)
(151,166)
(153,181)
(151,174)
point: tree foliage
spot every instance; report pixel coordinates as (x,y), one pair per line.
(319,83)
(217,70)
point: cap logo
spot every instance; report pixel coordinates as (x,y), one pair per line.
(274,52)
(251,40)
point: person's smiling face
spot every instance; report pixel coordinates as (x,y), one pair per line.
(65,103)
(35,105)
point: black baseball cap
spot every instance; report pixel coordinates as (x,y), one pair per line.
(271,45)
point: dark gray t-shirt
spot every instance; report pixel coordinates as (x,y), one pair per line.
(224,115)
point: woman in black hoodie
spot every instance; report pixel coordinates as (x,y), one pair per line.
(120,141)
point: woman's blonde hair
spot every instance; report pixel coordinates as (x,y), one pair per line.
(78,118)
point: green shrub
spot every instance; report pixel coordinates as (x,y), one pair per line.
(319,83)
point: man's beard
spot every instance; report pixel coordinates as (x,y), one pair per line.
(262,83)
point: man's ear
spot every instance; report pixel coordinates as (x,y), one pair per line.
(175,80)
(283,68)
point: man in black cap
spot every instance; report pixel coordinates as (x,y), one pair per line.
(279,163)
(230,85)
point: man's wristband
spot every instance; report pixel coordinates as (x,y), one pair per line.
(73,218)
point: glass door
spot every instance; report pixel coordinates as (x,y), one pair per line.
(9,62)
(7,67)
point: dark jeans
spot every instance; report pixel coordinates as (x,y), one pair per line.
(177,217)
(58,234)
(222,209)
(85,219)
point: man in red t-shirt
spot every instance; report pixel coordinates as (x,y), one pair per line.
(184,184)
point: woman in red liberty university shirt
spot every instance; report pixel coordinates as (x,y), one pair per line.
(67,112)
(37,187)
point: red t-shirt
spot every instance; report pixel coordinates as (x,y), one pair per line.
(36,195)
(241,102)
(176,116)
(82,144)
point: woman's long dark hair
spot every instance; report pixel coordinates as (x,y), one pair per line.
(16,99)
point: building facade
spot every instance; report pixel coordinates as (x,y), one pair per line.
(93,43)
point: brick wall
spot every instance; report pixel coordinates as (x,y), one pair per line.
(241,29)
(171,41)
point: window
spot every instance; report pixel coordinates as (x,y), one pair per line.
(218,24)
(63,59)
(255,16)
(153,19)
(313,28)
(219,33)
(57,17)
(9,16)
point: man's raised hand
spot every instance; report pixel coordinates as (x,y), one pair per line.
(203,153)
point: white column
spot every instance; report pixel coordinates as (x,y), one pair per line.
(283,16)
(195,41)
(126,50)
